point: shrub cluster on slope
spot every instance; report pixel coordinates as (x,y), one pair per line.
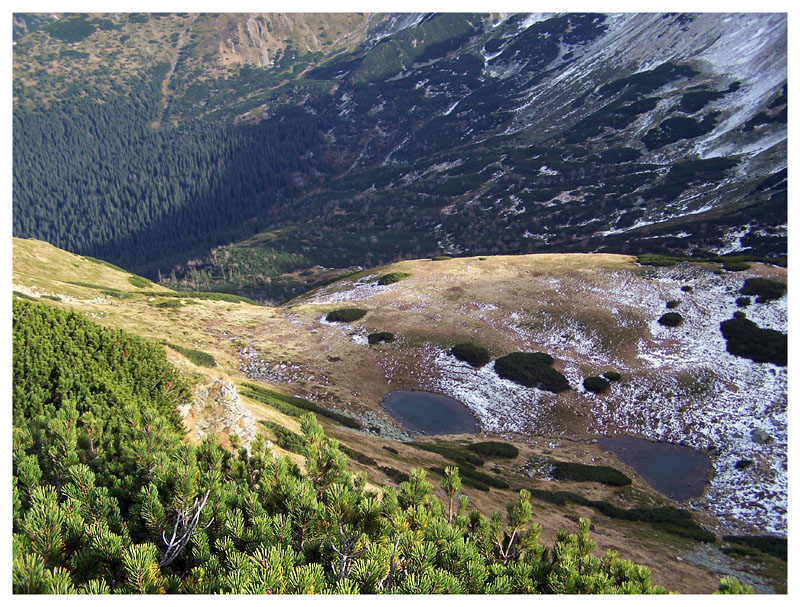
(671,319)
(568,471)
(391,278)
(201,359)
(747,340)
(380,337)
(533,370)
(667,518)
(596,384)
(345,314)
(768,544)
(477,356)
(295,406)
(494,448)
(764,288)
(201,295)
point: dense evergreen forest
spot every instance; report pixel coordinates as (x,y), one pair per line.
(94,177)
(109,498)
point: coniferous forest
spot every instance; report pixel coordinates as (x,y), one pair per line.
(148,198)
(109,498)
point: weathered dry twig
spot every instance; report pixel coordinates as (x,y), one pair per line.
(185,527)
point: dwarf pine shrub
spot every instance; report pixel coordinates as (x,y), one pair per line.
(747,340)
(606,475)
(494,449)
(671,319)
(477,356)
(763,288)
(531,369)
(345,314)
(108,496)
(391,278)
(380,337)
(596,384)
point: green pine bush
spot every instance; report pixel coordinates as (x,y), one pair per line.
(477,356)
(671,319)
(606,475)
(763,288)
(345,315)
(596,384)
(747,340)
(533,370)
(391,278)
(494,449)
(380,337)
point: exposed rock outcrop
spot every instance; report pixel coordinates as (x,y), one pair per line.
(218,409)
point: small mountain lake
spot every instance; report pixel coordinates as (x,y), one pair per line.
(430,413)
(676,471)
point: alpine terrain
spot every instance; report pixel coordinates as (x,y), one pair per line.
(400,303)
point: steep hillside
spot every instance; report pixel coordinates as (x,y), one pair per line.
(591,313)
(415,134)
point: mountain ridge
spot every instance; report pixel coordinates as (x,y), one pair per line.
(622,133)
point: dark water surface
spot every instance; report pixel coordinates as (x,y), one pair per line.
(676,471)
(429,413)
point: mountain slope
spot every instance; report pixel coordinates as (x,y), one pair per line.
(592,313)
(511,133)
